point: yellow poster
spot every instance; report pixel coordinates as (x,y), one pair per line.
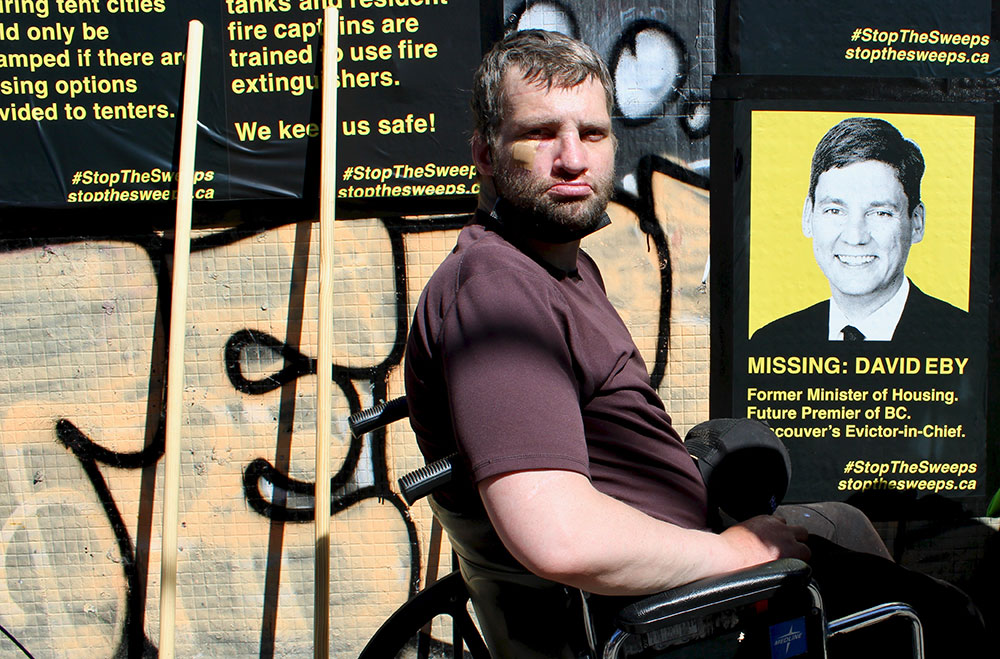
(784,274)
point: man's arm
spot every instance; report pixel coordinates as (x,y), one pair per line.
(561,528)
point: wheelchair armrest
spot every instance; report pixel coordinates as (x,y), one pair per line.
(713,594)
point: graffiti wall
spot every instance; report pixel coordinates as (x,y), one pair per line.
(83,358)
(81,427)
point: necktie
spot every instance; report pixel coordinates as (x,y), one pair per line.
(851,333)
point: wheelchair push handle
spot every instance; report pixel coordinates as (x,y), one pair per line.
(418,484)
(376,417)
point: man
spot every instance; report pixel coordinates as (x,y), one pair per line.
(517,359)
(863,212)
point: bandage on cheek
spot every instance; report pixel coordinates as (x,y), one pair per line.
(523,154)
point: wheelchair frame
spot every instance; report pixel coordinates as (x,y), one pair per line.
(673,608)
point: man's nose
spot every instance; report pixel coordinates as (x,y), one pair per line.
(572,156)
(855,231)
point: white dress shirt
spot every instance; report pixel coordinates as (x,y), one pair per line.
(877,326)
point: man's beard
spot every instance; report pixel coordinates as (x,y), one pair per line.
(535,215)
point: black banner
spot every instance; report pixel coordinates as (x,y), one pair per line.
(920,38)
(901,405)
(89,100)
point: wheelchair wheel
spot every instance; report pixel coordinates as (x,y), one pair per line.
(403,633)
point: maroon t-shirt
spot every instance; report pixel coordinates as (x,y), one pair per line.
(520,366)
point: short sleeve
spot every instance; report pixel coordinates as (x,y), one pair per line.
(510,377)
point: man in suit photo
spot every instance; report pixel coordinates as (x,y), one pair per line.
(863,213)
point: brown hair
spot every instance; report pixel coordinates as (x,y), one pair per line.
(543,57)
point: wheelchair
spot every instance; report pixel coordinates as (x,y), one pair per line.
(770,610)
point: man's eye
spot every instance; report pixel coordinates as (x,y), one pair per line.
(883,213)
(833,211)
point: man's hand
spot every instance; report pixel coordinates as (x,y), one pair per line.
(766,538)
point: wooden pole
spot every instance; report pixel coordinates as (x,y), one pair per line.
(324,358)
(175,349)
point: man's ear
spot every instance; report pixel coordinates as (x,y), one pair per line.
(481,154)
(917,224)
(807,227)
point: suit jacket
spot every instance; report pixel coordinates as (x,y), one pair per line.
(926,320)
